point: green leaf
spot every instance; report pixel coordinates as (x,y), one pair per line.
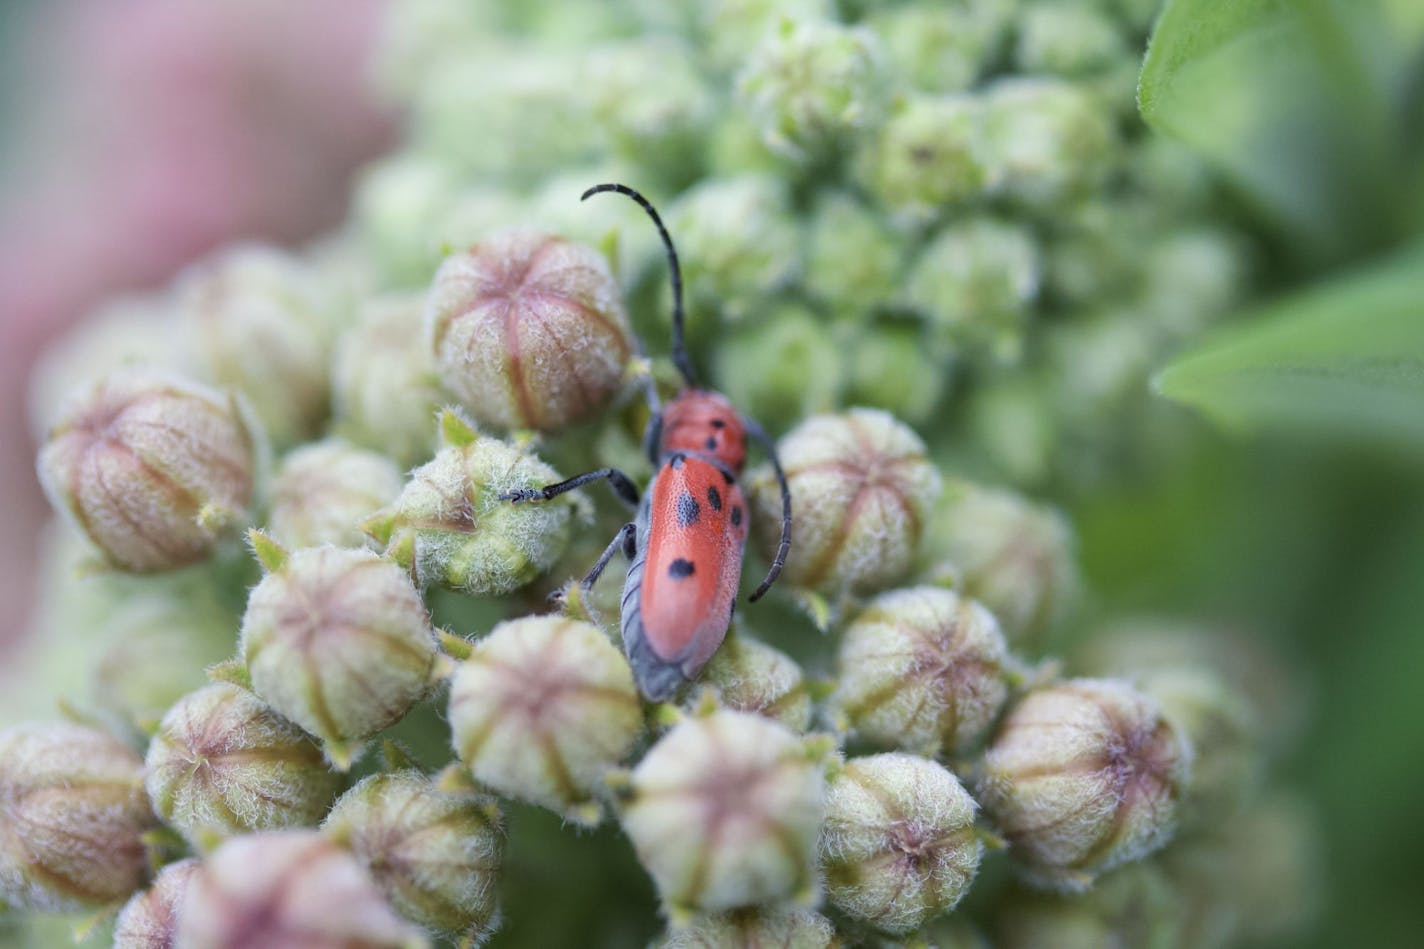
(1303,104)
(1346,357)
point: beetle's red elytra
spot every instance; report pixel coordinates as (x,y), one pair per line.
(685,545)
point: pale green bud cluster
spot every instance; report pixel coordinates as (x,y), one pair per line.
(323,491)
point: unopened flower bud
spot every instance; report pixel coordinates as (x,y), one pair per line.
(150,919)
(929,154)
(1046,141)
(732,27)
(922,669)
(787,927)
(942,47)
(861,488)
(649,98)
(396,207)
(1135,906)
(290,889)
(977,282)
(453,524)
(724,812)
(738,241)
(153,468)
(749,676)
(435,853)
(899,844)
(1193,278)
(1015,557)
(323,491)
(542,709)
(813,85)
(223,763)
(263,326)
(853,261)
(385,391)
(780,368)
(1083,776)
(338,641)
(1276,869)
(528,330)
(896,368)
(72,818)
(1067,39)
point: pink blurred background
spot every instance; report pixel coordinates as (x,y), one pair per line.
(138,136)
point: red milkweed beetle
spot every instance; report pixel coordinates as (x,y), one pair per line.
(685,545)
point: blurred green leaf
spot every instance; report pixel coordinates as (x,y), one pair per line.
(1345,357)
(1304,104)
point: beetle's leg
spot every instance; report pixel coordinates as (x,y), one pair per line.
(627,538)
(783,548)
(622,486)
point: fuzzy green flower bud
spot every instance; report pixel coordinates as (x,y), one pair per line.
(898,845)
(738,240)
(861,488)
(731,28)
(453,526)
(814,85)
(853,262)
(1276,868)
(724,812)
(897,369)
(1067,39)
(929,154)
(922,669)
(785,927)
(1193,277)
(942,47)
(224,763)
(338,641)
(395,209)
(434,851)
(528,330)
(1083,776)
(780,367)
(262,325)
(323,492)
(150,919)
(749,676)
(653,104)
(72,818)
(290,889)
(977,281)
(1136,906)
(1047,141)
(385,390)
(542,709)
(1015,557)
(153,468)
(1095,251)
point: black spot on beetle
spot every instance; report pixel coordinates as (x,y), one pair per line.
(714,497)
(711,443)
(718,423)
(676,459)
(736,515)
(688,510)
(680,568)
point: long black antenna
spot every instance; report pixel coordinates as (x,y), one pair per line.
(679,350)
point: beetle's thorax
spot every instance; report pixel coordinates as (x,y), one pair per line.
(704,423)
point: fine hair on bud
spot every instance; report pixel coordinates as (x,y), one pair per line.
(786,926)
(747,675)
(149,920)
(323,491)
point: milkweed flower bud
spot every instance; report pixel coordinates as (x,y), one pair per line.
(929,154)
(1015,557)
(452,524)
(812,85)
(394,206)
(324,490)
(738,239)
(649,98)
(528,330)
(977,282)
(732,27)
(1135,906)
(922,669)
(724,812)
(1046,141)
(861,488)
(749,676)
(1193,277)
(786,927)
(150,919)
(385,390)
(899,844)
(290,889)
(853,260)
(262,325)
(338,641)
(542,709)
(897,369)
(224,763)
(942,47)
(779,369)
(1068,39)
(1083,776)
(153,468)
(72,818)
(435,853)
